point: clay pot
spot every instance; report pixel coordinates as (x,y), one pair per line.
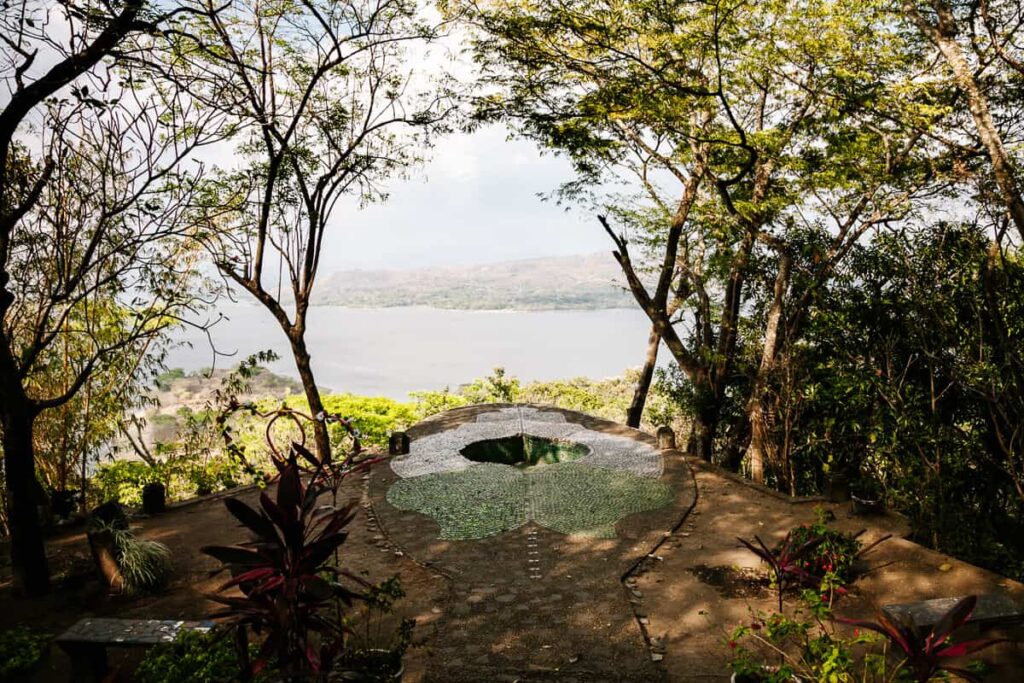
(104,553)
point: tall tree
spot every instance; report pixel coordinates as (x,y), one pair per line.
(90,210)
(325,108)
(733,122)
(979,43)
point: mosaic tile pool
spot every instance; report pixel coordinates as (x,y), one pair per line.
(527,465)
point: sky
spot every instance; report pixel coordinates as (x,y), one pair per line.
(475,201)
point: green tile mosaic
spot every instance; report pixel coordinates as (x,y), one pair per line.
(488,499)
(475,502)
(572,498)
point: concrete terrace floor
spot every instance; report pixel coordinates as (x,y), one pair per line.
(643,606)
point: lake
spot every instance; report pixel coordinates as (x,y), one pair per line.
(392,351)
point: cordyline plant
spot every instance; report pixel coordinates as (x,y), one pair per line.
(926,654)
(291,595)
(785,561)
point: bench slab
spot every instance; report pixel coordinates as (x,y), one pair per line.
(991,610)
(129,632)
(87,641)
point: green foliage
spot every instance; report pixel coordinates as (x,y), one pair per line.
(20,650)
(145,565)
(122,480)
(780,648)
(183,478)
(374,417)
(164,379)
(607,398)
(912,379)
(833,556)
(193,656)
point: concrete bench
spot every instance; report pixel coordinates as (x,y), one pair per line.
(87,641)
(992,611)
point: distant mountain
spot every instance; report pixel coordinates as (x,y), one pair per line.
(556,283)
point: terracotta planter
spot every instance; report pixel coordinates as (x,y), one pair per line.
(104,553)
(353,671)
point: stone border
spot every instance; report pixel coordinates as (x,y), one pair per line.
(441,451)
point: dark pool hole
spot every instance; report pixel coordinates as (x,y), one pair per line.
(524,451)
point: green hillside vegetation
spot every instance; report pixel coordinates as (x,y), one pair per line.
(189,453)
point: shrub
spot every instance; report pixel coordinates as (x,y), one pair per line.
(288,586)
(835,554)
(20,650)
(829,565)
(193,656)
(145,565)
(122,480)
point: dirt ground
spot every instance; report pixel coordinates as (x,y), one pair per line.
(653,604)
(185,529)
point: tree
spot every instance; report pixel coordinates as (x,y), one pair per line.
(985,71)
(90,216)
(911,374)
(323,112)
(643,384)
(745,134)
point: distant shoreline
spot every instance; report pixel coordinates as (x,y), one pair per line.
(427,307)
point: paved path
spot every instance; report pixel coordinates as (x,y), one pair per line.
(531,603)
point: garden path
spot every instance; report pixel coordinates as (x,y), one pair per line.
(531,603)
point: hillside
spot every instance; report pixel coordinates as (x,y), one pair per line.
(559,283)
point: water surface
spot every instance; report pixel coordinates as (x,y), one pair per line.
(392,351)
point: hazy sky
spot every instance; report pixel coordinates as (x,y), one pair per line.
(474,201)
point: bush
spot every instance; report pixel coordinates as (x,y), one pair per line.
(835,554)
(193,656)
(145,565)
(20,651)
(122,480)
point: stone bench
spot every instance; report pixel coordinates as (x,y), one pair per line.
(87,641)
(991,611)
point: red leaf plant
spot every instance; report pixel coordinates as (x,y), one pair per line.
(290,594)
(784,561)
(926,654)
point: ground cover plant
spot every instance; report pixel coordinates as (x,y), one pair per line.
(807,645)
(193,656)
(20,651)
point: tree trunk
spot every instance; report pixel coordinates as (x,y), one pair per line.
(643,384)
(943,36)
(701,443)
(760,439)
(321,438)
(28,553)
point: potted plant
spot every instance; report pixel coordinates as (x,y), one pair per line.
(291,594)
(379,638)
(103,522)
(867,496)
